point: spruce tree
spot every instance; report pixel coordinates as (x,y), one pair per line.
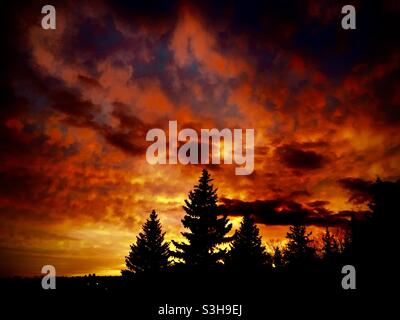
(150,254)
(207,229)
(330,246)
(246,251)
(278,258)
(299,250)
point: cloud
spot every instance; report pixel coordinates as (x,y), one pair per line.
(71,103)
(296,158)
(359,189)
(284,212)
(318,203)
(90,82)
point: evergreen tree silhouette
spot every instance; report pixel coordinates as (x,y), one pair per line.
(299,250)
(150,253)
(382,225)
(385,201)
(278,258)
(375,239)
(332,256)
(207,228)
(346,245)
(246,251)
(330,246)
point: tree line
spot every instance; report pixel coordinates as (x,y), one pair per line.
(206,233)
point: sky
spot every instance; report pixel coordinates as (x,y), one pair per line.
(75,186)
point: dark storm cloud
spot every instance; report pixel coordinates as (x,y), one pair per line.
(363,191)
(90,82)
(392,149)
(351,214)
(315,144)
(385,90)
(284,212)
(124,141)
(299,193)
(130,136)
(127,120)
(296,158)
(30,143)
(80,112)
(311,29)
(72,104)
(25,186)
(359,189)
(335,110)
(318,203)
(13,105)
(95,39)
(152,13)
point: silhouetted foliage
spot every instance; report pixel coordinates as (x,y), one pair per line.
(385,200)
(346,251)
(150,253)
(374,239)
(385,207)
(331,251)
(330,245)
(299,250)
(278,259)
(207,228)
(365,246)
(247,251)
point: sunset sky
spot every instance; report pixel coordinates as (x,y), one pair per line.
(78,101)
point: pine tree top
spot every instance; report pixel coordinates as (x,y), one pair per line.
(299,247)
(248,231)
(203,198)
(247,250)
(153,215)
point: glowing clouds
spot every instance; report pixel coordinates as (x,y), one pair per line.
(188,153)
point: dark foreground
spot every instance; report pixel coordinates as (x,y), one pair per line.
(283,295)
